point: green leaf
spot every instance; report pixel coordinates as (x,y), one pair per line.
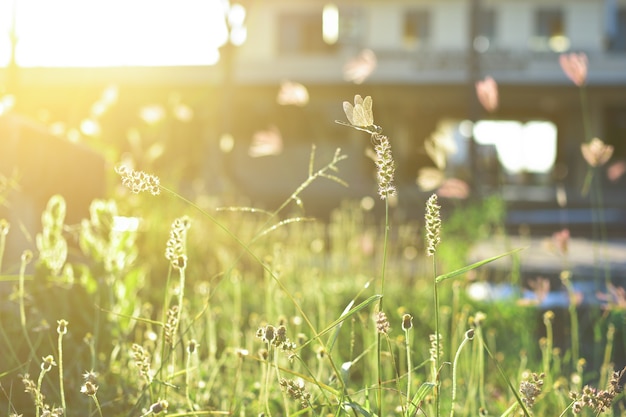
(356,407)
(474,266)
(419,397)
(343,317)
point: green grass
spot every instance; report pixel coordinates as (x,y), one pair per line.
(272,313)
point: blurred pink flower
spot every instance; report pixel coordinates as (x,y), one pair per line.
(615,298)
(561,240)
(596,152)
(575,67)
(292,93)
(454,188)
(266,142)
(359,68)
(541,287)
(487,92)
(615,171)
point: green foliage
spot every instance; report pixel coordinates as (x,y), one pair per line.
(236,311)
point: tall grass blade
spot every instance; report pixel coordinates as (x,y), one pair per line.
(475,265)
(343,317)
(421,393)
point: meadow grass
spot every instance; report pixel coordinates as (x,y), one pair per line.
(241,311)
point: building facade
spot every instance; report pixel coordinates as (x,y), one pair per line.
(428,54)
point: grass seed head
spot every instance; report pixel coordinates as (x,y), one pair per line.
(433,225)
(139,181)
(385,167)
(382,323)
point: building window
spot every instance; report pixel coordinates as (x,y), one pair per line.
(416,29)
(351,26)
(549,31)
(301,33)
(616,35)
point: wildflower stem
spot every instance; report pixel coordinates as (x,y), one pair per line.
(39,401)
(599,222)
(188,381)
(437,339)
(61,386)
(607,366)
(585,111)
(95,400)
(508,382)
(26,258)
(509,410)
(181,296)
(409,366)
(268,371)
(4,230)
(573,317)
(547,348)
(454,369)
(587,132)
(380,307)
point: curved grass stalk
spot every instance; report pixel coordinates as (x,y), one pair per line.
(469,335)
(507,380)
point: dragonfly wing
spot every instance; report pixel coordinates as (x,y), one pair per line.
(348,108)
(367,111)
(360,116)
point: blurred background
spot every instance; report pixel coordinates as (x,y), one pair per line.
(224,98)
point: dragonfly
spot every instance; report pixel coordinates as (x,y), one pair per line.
(360,115)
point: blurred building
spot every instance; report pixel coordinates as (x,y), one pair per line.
(429,54)
(424,58)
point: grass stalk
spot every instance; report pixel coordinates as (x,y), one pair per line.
(61,330)
(27,256)
(191,367)
(607,367)
(433,238)
(548,343)
(469,335)
(406,326)
(573,316)
(507,380)
(4,231)
(97,403)
(437,345)
(266,384)
(380,307)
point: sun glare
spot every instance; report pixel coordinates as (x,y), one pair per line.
(93,33)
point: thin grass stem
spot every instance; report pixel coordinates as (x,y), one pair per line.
(469,335)
(437,341)
(61,330)
(409,366)
(27,256)
(97,403)
(4,231)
